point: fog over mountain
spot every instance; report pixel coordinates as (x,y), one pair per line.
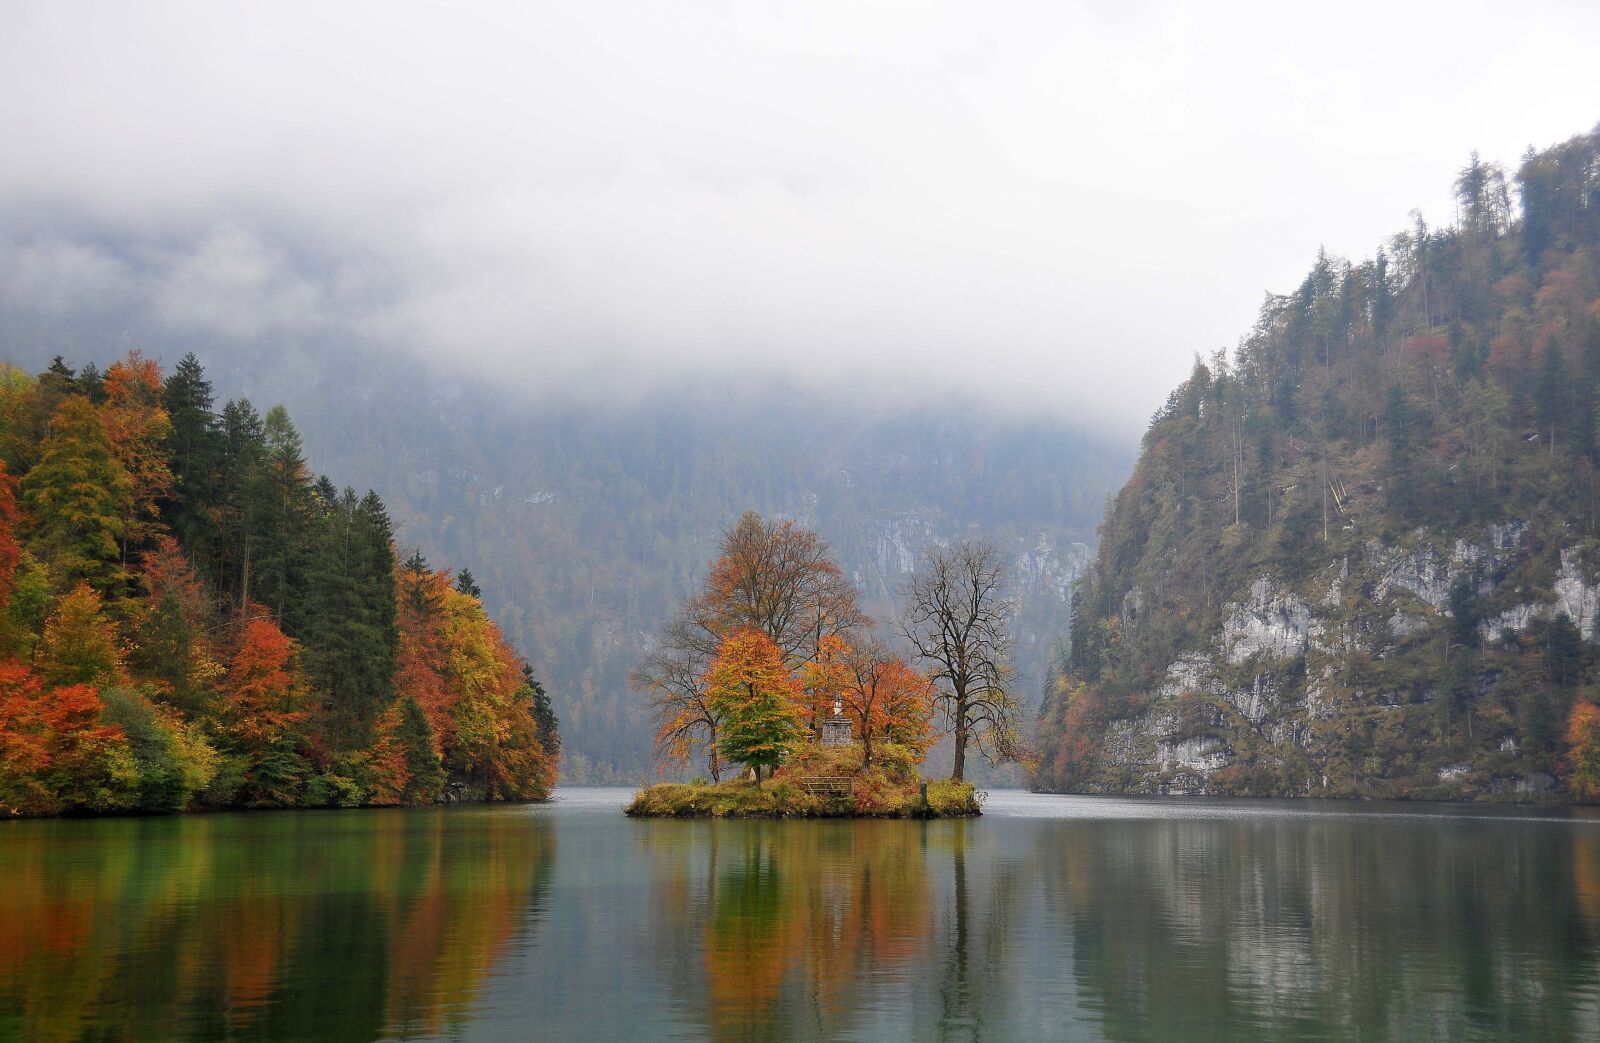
(588,198)
(573,286)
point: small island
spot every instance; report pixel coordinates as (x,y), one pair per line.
(819,781)
(775,667)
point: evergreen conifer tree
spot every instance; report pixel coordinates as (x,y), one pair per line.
(195,444)
(352,634)
(422,756)
(544,715)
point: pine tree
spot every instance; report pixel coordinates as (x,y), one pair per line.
(284,512)
(544,715)
(163,649)
(467,585)
(421,755)
(351,634)
(56,384)
(241,464)
(194,444)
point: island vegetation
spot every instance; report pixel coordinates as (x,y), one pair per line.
(190,618)
(775,646)
(1359,555)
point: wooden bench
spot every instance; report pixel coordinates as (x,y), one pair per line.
(830,785)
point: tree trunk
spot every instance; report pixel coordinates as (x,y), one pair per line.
(244,583)
(958,769)
(716,761)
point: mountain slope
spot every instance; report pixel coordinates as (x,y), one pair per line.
(1360,556)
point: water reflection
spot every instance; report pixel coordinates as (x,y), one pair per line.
(337,925)
(1315,926)
(1098,920)
(1325,929)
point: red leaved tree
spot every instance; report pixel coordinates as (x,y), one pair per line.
(55,755)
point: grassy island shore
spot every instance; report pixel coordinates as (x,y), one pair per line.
(889,788)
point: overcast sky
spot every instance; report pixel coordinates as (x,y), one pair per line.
(1055,202)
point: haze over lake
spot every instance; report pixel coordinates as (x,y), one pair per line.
(1048,918)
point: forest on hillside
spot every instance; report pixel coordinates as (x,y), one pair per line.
(189,617)
(1358,554)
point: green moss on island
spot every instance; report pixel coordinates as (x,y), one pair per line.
(890,788)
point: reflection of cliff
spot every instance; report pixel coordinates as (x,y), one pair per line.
(1366,929)
(329,926)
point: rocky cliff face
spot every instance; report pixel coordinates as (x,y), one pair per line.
(1358,556)
(1341,683)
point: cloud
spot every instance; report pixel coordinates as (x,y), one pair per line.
(1049,204)
(231,283)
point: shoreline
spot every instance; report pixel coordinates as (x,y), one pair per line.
(785,799)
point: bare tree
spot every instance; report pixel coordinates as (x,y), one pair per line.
(673,676)
(956,618)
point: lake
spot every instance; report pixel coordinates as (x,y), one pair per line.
(1048,918)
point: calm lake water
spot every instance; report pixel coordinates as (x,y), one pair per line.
(1049,918)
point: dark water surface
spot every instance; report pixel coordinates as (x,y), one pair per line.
(1049,918)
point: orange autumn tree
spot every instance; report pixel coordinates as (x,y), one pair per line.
(887,701)
(825,678)
(423,655)
(777,578)
(138,427)
(1583,750)
(884,699)
(55,755)
(759,703)
(262,714)
(469,684)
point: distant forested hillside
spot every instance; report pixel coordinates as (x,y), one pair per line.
(1360,555)
(589,528)
(586,526)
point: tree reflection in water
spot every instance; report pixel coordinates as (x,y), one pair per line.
(1112,920)
(301,925)
(1205,929)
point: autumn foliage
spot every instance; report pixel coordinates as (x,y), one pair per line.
(1583,750)
(188,616)
(772,644)
(54,752)
(759,703)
